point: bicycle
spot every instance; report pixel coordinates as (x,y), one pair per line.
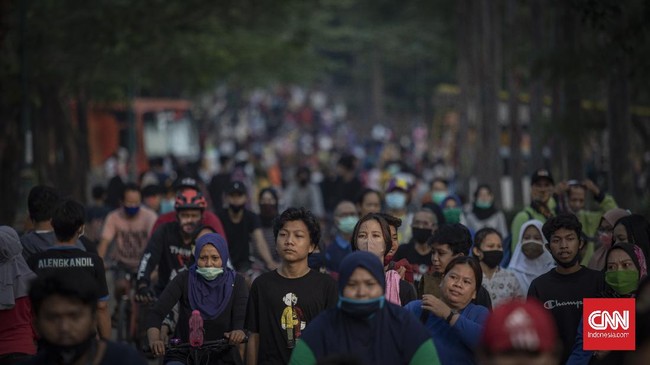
(127,321)
(197,355)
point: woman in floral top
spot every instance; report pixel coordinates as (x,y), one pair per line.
(502,284)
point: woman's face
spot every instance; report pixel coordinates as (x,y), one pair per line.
(532,250)
(450,203)
(371,204)
(267,198)
(620,234)
(619,260)
(484,195)
(362,286)
(459,286)
(371,238)
(209,257)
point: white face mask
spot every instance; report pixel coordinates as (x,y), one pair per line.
(209,273)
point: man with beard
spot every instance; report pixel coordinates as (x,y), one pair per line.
(65,309)
(242,225)
(562,289)
(170,246)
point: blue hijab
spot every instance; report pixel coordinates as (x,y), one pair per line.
(211,297)
(362,259)
(391,336)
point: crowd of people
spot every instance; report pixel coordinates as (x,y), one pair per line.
(371,277)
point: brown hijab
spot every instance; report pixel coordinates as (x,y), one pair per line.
(598,260)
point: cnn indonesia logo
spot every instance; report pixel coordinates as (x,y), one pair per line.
(609,324)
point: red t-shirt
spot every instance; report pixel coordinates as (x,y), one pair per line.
(16,332)
(209,219)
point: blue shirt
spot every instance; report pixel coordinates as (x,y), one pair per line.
(455,344)
(336,252)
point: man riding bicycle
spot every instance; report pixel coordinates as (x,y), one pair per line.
(170,246)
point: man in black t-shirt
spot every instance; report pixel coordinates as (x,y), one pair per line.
(242,225)
(563,289)
(282,302)
(67,259)
(65,318)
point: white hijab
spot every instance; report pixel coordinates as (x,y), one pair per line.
(525,269)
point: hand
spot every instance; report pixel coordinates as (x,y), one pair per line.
(272,265)
(435,306)
(157,348)
(401,271)
(591,186)
(561,187)
(164,334)
(236,337)
(144,295)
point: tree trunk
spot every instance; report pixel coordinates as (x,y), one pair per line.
(513,105)
(618,123)
(536,105)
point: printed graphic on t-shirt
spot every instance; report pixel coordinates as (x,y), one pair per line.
(292,319)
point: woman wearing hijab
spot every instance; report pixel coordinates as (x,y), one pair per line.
(372,234)
(633,229)
(605,234)
(364,326)
(16,334)
(210,287)
(452,209)
(625,268)
(530,259)
(484,213)
(454,322)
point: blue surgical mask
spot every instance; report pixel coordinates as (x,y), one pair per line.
(166,206)
(131,211)
(347,224)
(362,309)
(396,200)
(209,273)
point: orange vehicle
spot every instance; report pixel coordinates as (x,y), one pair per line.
(162,127)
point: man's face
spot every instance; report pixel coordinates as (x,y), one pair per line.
(132,198)
(576,198)
(441,255)
(236,199)
(564,245)
(293,242)
(189,220)
(425,220)
(65,322)
(343,210)
(541,190)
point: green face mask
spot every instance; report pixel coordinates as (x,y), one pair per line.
(483,204)
(624,282)
(209,273)
(438,196)
(452,215)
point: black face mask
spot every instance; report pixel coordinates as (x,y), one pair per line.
(66,355)
(421,235)
(236,208)
(492,258)
(569,264)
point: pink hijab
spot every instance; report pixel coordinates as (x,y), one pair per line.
(597,261)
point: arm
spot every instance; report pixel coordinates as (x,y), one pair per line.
(263,248)
(103,320)
(150,258)
(252,348)
(107,236)
(578,355)
(103,247)
(469,329)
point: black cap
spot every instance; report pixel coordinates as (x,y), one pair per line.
(541,174)
(236,187)
(186,182)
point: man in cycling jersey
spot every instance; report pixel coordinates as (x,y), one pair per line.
(170,246)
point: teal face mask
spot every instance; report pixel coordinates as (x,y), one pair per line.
(483,204)
(209,273)
(452,215)
(396,200)
(438,196)
(624,281)
(347,224)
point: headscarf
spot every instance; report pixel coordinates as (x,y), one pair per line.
(211,297)
(635,254)
(638,231)
(15,275)
(364,259)
(524,268)
(597,261)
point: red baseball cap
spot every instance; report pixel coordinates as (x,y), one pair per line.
(520,326)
